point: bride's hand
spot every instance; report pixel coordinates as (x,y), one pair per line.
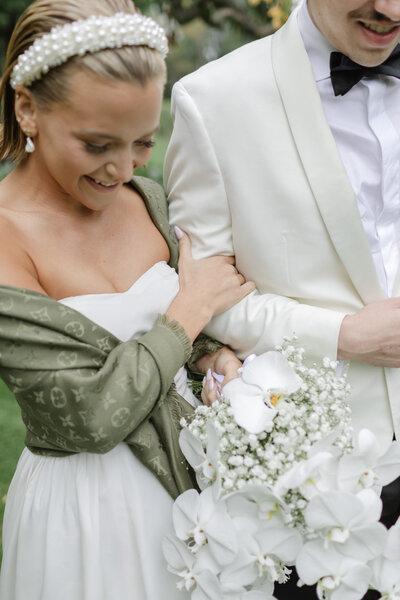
(207,287)
(224,362)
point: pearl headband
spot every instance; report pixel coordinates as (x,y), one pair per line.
(89,35)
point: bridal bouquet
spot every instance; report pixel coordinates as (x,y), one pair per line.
(283,485)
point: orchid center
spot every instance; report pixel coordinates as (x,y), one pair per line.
(368,479)
(271,399)
(197,538)
(339,535)
(188,580)
(326,586)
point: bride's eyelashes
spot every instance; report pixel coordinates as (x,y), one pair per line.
(146,143)
(95,149)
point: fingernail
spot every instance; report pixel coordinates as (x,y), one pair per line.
(178,232)
(204,381)
(211,384)
(208,375)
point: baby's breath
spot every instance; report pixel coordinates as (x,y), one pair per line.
(317,409)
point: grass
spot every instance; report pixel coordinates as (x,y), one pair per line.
(12,433)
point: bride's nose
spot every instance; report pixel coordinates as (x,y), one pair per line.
(122,168)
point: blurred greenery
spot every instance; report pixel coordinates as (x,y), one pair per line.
(12,432)
(225,24)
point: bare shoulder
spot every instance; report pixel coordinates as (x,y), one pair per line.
(16,266)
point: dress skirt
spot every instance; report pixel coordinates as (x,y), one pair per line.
(88,526)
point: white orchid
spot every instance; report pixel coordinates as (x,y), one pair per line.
(348,522)
(254,395)
(265,550)
(385,571)
(369,466)
(311,477)
(204,461)
(255,501)
(338,577)
(197,573)
(202,520)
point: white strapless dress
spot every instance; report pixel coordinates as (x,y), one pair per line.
(89,526)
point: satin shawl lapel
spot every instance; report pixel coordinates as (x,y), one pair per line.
(321,160)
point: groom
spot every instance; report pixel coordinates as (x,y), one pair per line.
(298,176)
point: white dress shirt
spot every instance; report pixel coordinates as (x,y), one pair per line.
(366,126)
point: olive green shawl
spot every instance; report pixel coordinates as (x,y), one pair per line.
(81,389)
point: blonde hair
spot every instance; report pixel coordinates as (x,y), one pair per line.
(132,64)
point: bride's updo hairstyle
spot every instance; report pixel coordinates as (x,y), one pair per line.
(137,64)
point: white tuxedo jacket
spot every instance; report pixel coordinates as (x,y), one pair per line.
(252,169)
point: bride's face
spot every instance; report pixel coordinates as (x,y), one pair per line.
(88,146)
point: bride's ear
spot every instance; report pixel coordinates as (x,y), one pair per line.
(25,110)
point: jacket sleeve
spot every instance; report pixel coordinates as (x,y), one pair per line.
(92,400)
(199,204)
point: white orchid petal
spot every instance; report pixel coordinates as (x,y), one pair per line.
(237,388)
(209,588)
(392,549)
(372,505)
(192,448)
(251,500)
(282,542)
(315,561)
(366,542)
(303,471)
(177,554)
(333,509)
(212,440)
(388,466)
(368,446)
(251,413)
(270,371)
(185,513)
(257,595)
(354,583)
(242,571)
(221,536)
(385,574)
(350,471)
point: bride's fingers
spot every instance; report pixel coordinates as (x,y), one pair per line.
(209,393)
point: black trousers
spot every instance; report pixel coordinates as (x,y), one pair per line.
(390,513)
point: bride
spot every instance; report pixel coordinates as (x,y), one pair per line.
(95,324)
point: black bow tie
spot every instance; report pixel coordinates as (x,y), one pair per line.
(345,73)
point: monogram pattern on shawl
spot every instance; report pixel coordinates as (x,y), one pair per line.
(82,390)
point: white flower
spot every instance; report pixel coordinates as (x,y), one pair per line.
(264,551)
(349,522)
(254,501)
(203,461)
(263,381)
(310,477)
(197,573)
(385,569)
(200,519)
(369,466)
(339,577)
(183,563)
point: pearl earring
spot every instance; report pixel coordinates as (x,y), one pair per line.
(29,146)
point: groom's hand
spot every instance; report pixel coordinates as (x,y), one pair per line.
(372,335)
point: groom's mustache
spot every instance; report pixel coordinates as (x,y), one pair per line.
(371,15)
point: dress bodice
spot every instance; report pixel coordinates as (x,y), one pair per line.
(130,314)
